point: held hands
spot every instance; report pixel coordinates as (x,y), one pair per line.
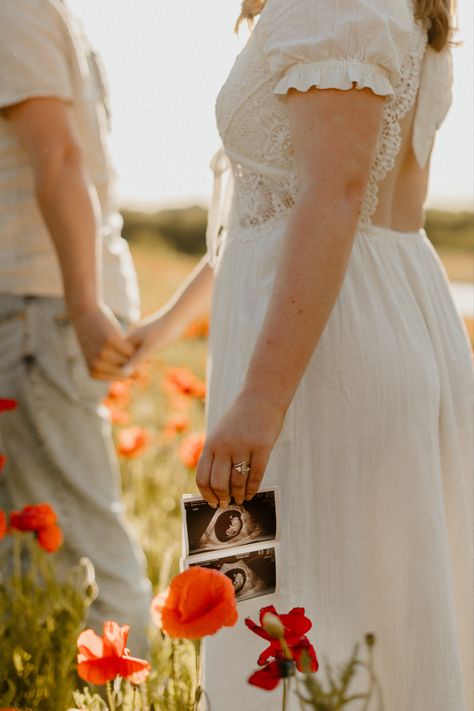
(247,434)
(102,341)
(111,354)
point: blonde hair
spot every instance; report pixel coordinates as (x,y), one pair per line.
(438,15)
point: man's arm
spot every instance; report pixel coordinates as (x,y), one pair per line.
(68,202)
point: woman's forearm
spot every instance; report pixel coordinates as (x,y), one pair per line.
(313,261)
(193,298)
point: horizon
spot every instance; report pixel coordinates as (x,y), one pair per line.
(163,90)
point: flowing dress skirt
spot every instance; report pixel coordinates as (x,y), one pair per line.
(374,468)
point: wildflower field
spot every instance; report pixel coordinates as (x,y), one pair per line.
(158,423)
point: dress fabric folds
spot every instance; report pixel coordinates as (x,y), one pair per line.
(374,460)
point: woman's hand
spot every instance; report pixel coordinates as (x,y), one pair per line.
(247,433)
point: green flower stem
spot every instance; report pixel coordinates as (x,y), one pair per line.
(284,703)
(197,658)
(144,697)
(110,696)
(17,560)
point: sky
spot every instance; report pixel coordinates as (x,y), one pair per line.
(166,61)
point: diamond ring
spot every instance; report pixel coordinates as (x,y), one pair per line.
(243,468)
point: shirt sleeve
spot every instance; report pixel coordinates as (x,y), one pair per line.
(33,53)
(336,44)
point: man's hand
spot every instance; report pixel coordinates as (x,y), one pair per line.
(102,342)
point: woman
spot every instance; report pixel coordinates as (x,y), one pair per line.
(338,363)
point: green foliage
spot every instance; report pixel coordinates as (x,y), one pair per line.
(335,692)
(450,229)
(185,228)
(41,615)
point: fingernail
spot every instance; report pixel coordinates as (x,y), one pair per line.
(213,506)
(239,503)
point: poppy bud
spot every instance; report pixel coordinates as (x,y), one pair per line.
(370,639)
(273,625)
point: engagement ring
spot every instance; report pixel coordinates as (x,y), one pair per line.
(243,468)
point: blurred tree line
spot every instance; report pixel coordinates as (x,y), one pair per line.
(185,228)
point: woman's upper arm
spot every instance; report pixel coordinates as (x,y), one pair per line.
(334,135)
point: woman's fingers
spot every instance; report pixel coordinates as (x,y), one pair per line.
(203,478)
(258,464)
(238,481)
(220,478)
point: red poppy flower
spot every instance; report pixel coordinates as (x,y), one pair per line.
(198,602)
(50,538)
(3,524)
(42,520)
(296,625)
(7,404)
(119,392)
(32,518)
(183,381)
(191,449)
(177,425)
(132,441)
(198,329)
(3,459)
(101,659)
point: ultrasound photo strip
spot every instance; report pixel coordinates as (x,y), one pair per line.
(253,570)
(207,529)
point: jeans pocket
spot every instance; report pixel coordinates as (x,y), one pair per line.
(84,386)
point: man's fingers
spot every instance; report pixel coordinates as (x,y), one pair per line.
(258,464)
(220,478)
(203,478)
(109,375)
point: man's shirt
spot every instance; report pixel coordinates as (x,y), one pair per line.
(45,53)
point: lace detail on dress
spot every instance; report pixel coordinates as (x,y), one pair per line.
(396,108)
(260,200)
(254,127)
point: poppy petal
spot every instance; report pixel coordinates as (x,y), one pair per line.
(134,669)
(296,621)
(267,678)
(253,627)
(50,537)
(90,645)
(273,650)
(99,671)
(115,638)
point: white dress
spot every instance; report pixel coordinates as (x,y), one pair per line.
(374,458)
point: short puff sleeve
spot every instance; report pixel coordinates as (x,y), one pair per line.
(34,54)
(336,44)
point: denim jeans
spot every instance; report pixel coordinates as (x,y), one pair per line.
(59,450)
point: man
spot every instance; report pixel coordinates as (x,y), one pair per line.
(67,284)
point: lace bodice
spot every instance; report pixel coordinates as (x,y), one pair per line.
(252,114)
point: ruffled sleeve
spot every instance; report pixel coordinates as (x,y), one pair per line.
(335,44)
